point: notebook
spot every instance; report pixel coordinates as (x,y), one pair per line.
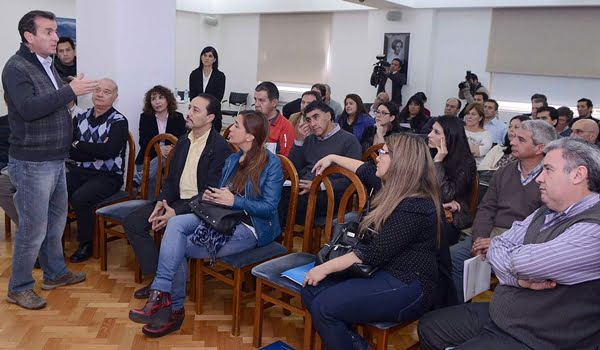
(297,273)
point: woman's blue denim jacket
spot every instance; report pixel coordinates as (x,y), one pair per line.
(262,209)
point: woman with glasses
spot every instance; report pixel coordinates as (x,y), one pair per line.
(251,180)
(405,218)
(386,123)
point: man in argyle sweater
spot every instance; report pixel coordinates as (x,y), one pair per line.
(98,149)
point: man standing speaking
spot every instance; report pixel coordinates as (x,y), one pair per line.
(41,136)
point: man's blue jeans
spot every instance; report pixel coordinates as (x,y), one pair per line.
(176,246)
(460,252)
(41,202)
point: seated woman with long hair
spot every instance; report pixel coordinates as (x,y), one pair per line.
(500,155)
(480,140)
(354,119)
(386,123)
(414,114)
(404,224)
(455,169)
(251,181)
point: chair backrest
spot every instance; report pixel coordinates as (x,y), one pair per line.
(473,201)
(371,153)
(233,147)
(130,164)
(238,98)
(154,144)
(290,174)
(356,189)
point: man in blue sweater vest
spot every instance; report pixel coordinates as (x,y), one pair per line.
(40,138)
(98,149)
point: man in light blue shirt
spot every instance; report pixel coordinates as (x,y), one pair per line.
(492,123)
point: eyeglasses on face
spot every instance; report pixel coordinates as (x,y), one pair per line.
(383,113)
(382,152)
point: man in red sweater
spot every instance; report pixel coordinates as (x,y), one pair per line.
(281,131)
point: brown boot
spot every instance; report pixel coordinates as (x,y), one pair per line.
(175,321)
(156,311)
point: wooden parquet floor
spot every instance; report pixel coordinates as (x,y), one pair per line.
(94,314)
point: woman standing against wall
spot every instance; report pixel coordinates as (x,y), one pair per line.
(207,78)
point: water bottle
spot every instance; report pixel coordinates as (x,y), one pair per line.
(186,95)
(176,95)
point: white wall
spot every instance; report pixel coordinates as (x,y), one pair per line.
(460,43)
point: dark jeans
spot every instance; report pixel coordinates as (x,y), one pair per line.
(464,327)
(336,304)
(87,188)
(136,227)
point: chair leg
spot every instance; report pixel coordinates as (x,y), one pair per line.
(308,332)
(192,268)
(96,238)
(103,252)
(382,339)
(137,277)
(238,278)
(258,315)
(7,226)
(199,287)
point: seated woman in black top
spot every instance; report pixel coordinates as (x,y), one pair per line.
(386,123)
(354,119)
(456,170)
(414,115)
(405,216)
(160,116)
(207,78)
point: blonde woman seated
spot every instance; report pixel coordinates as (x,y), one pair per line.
(480,140)
(500,155)
(405,218)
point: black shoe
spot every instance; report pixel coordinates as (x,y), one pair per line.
(82,253)
(144,292)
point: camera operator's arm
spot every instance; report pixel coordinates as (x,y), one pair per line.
(464,92)
(397,78)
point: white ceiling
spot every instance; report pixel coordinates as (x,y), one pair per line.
(222,7)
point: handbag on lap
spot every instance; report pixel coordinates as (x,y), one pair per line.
(221,218)
(344,238)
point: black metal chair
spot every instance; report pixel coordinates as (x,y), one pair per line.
(238,100)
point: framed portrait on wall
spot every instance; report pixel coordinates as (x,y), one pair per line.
(66,27)
(396,45)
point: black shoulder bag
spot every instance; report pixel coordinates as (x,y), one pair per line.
(221,218)
(344,238)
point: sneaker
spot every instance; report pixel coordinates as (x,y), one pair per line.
(157,310)
(65,280)
(26,299)
(175,322)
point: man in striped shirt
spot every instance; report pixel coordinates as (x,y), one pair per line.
(548,266)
